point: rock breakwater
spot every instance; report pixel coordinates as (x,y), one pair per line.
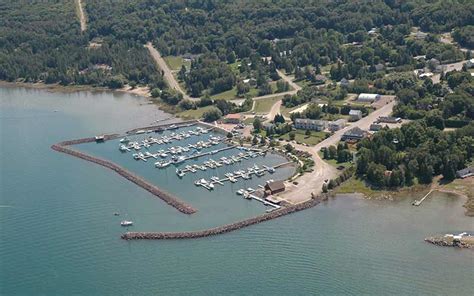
(173,201)
(224,228)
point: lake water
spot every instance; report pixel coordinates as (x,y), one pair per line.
(59,237)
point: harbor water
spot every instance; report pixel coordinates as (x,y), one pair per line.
(59,235)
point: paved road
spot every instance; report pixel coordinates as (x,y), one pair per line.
(82,17)
(168,75)
(312,182)
(448,68)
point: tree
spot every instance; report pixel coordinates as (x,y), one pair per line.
(292,136)
(307,133)
(212,114)
(182,73)
(257,125)
(230,135)
(254,140)
(279,119)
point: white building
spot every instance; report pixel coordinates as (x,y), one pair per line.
(336,125)
(355,115)
(310,124)
(369,98)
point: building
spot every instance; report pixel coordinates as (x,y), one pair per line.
(355,115)
(274,187)
(368,98)
(389,119)
(375,127)
(354,134)
(470,63)
(336,125)
(379,67)
(310,124)
(464,173)
(344,82)
(233,118)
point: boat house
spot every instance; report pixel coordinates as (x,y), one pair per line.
(233,118)
(274,187)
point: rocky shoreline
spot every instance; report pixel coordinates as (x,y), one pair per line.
(173,201)
(447,241)
(224,228)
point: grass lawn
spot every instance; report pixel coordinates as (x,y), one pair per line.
(232,94)
(264,106)
(300,137)
(193,114)
(355,185)
(175,62)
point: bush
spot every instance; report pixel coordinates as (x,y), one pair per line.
(212,114)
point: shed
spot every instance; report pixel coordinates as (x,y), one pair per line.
(233,118)
(464,173)
(355,115)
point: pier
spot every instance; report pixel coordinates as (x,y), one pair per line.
(418,202)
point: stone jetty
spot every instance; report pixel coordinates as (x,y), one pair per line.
(173,201)
(451,241)
(224,228)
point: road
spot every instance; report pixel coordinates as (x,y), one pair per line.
(82,17)
(311,183)
(449,67)
(168,75)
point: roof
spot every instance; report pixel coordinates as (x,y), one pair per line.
(275,185)
(233,116)
(338,122)
(465,171)
(320,77)
(310,121)
(355,132)
(355,112)
(368,96)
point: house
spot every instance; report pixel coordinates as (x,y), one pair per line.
(274,187)
(379,67)
(354,134)
(320,79)
(372,31)
(233,118)
(420,35)
(344,82)
(389,119)
(310,124)
(464,173)
(368,98)
(375,127)
(336,125)
(355,115)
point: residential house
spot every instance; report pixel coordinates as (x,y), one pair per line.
(310,124)
(355,115)
(375,127)
(470,63)
(354,134)
(320,79)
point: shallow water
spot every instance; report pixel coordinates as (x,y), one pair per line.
(58,234)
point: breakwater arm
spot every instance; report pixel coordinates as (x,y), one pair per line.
(163,195)
(224,228)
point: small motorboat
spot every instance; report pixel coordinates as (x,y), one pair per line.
(126,223)
(116,214)
(240,192)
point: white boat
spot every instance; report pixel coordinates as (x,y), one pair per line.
(126,223)
(180,173)
(124,140)
(140,132)
(211,185)
(240,192)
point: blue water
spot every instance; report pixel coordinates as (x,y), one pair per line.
(58,235)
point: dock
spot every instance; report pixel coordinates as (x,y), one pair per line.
(418,202)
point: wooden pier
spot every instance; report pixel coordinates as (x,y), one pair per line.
(418,202)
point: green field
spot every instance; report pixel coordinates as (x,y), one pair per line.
(175,62)
(264,105)
(300,137)
(193,114)
(232,94)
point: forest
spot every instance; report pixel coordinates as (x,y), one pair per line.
(42,41)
